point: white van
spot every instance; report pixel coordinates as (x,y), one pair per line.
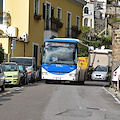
(30,65)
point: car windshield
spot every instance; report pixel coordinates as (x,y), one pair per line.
(59,53)
(24,61)
(9,67)
(101,68)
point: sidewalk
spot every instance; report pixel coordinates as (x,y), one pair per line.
(114,92)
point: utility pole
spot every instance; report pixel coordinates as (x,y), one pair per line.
(116,3)
(13,46)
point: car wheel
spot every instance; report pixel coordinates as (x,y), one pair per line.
(3,87)
(20,83)
(47,81)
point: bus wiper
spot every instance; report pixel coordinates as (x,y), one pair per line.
(52,62)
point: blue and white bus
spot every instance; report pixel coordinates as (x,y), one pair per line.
(59,60)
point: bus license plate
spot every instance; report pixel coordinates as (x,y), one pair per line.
(58,78)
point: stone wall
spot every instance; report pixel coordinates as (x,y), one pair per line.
(116,45)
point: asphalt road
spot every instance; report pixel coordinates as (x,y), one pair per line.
(40,101)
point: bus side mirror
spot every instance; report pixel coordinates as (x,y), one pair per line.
(78,50)
(40,50)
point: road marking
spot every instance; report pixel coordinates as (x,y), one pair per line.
(10,91)
(5,93)
(90,108)
(115,97)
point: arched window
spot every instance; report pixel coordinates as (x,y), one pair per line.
(86,10)
(86,22)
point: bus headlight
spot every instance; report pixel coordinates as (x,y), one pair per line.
(72,74)
(44,73)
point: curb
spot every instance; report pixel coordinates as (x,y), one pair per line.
(114,92)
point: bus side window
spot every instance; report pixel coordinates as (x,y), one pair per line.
(78,50)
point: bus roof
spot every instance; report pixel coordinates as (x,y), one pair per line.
(66,40)
(24,57)
(62,40)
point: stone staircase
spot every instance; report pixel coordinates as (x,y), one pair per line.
(99,25)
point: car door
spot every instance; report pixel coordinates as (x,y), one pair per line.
(0,77)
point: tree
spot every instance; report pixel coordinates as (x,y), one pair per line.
(106,41)
(85,31)
(1,54)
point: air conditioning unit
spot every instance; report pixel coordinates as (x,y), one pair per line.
(12,31)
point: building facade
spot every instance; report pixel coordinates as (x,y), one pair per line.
(24,24)
(88,14)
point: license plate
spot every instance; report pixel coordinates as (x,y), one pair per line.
(98,77)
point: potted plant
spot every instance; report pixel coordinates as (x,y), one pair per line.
(75,28)
(57,21)
(37,17)
(1,12)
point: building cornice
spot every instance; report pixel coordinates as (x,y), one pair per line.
(80,3)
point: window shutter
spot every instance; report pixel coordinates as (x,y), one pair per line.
(43,10)
(52,12)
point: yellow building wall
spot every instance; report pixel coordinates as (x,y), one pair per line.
(19,17)
(67,6)
(22,17)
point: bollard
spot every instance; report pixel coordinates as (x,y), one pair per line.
(118,87)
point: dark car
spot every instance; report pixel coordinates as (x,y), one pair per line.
(23,74)
(2,79)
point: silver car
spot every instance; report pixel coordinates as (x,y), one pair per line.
(100,73)
(2,79)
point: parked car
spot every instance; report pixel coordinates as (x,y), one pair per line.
(116,74)
(2,79)
(100,73)
(12,75)
(38,72)
(30,64)
(23,74)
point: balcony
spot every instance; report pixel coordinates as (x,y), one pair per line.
(4,21)
(51,29)
(73,32)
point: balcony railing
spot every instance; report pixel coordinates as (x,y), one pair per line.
(72,33)
(5,18)
(49,25)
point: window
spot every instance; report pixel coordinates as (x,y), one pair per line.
(1,10)
(68,33)
(36,7)
(86,10)
(78,21)
(59,13)
(99,6)
(68,20)
(52,12)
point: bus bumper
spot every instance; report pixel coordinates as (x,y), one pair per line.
(66,77)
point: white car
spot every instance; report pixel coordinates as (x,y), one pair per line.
(116,74)
(2,79)
(100,73)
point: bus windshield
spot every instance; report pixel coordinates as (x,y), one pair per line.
(59,53)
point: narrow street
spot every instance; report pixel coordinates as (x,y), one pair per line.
(40,101)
